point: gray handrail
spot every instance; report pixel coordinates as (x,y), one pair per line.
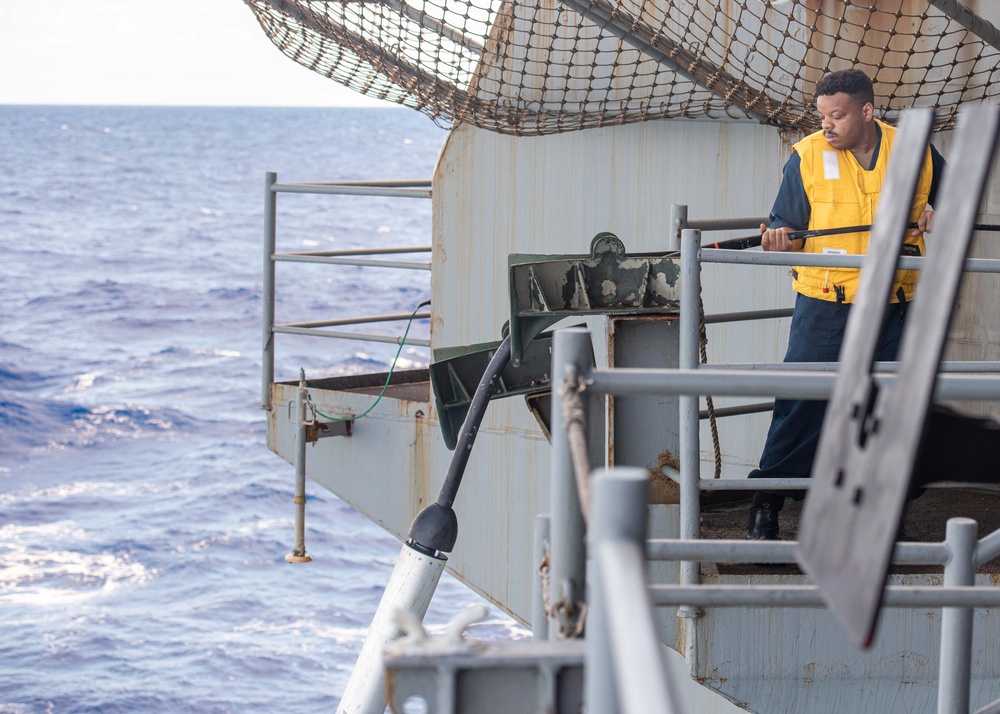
(420,188)
(619,550)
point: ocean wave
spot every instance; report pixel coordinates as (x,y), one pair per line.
(15,377)
(29,424)
(32,572)
(108,295)
(48,495)
(241,294)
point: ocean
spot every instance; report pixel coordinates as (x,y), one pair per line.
(143,521)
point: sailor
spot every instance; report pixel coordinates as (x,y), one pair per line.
(832,179)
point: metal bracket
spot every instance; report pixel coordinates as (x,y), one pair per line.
(544,676)
(457,372)
(870,438)
(547,288)
(325,429)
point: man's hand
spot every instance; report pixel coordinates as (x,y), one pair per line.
(925,224)
(777,239)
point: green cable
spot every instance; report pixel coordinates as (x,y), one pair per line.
(388,377)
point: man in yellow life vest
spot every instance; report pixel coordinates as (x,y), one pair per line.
(833,179)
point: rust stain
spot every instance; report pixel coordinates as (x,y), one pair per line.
(420,471)
(390,688)
(789,137)
(994,578)
(272,426)
(714,677)
(663,490)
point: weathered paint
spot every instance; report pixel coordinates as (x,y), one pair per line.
(787,660)
(496,195)
(395,462)
(663,489)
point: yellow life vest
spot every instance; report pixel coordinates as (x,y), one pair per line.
(842,193)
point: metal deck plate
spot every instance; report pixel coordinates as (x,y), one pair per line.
(870,438)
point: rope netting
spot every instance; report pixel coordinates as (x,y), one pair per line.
(533,67)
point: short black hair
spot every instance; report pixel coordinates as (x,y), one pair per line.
(852,82)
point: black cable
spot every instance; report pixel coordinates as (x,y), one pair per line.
(754,241)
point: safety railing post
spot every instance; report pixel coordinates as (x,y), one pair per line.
(690,451)
(270,243)
(678,222)
(600,693)
(955,667)
(571,354)
(625,669)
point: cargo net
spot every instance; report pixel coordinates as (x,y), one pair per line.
(531,67)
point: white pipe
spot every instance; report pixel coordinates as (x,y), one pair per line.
(410,587)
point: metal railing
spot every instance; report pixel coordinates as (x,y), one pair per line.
(619,548)
(617,536)
(621,624)
(354,257)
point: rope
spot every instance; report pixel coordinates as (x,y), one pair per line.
(709,405)
(392,368)
(575,423)
(561,611)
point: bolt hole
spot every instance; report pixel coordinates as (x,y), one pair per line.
(839,481)
(858,496)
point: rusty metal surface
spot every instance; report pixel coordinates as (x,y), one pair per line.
(397,449)
(546,289)
(644,429)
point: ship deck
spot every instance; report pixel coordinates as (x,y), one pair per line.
(924,521)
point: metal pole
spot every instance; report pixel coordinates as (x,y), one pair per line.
(270,241)
(571,354)
(688,426)
(956,622)
(969,20)
(298,555)
(808,596)
(781,383)
(600,688)
(774,551)
(539,620)
(678,222)
(623,638)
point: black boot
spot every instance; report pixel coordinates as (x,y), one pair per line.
(762,523)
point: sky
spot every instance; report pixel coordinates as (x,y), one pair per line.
(152,52)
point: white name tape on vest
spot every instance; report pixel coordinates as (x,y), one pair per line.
(831,166)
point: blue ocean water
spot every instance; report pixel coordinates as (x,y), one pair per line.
(143,522)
